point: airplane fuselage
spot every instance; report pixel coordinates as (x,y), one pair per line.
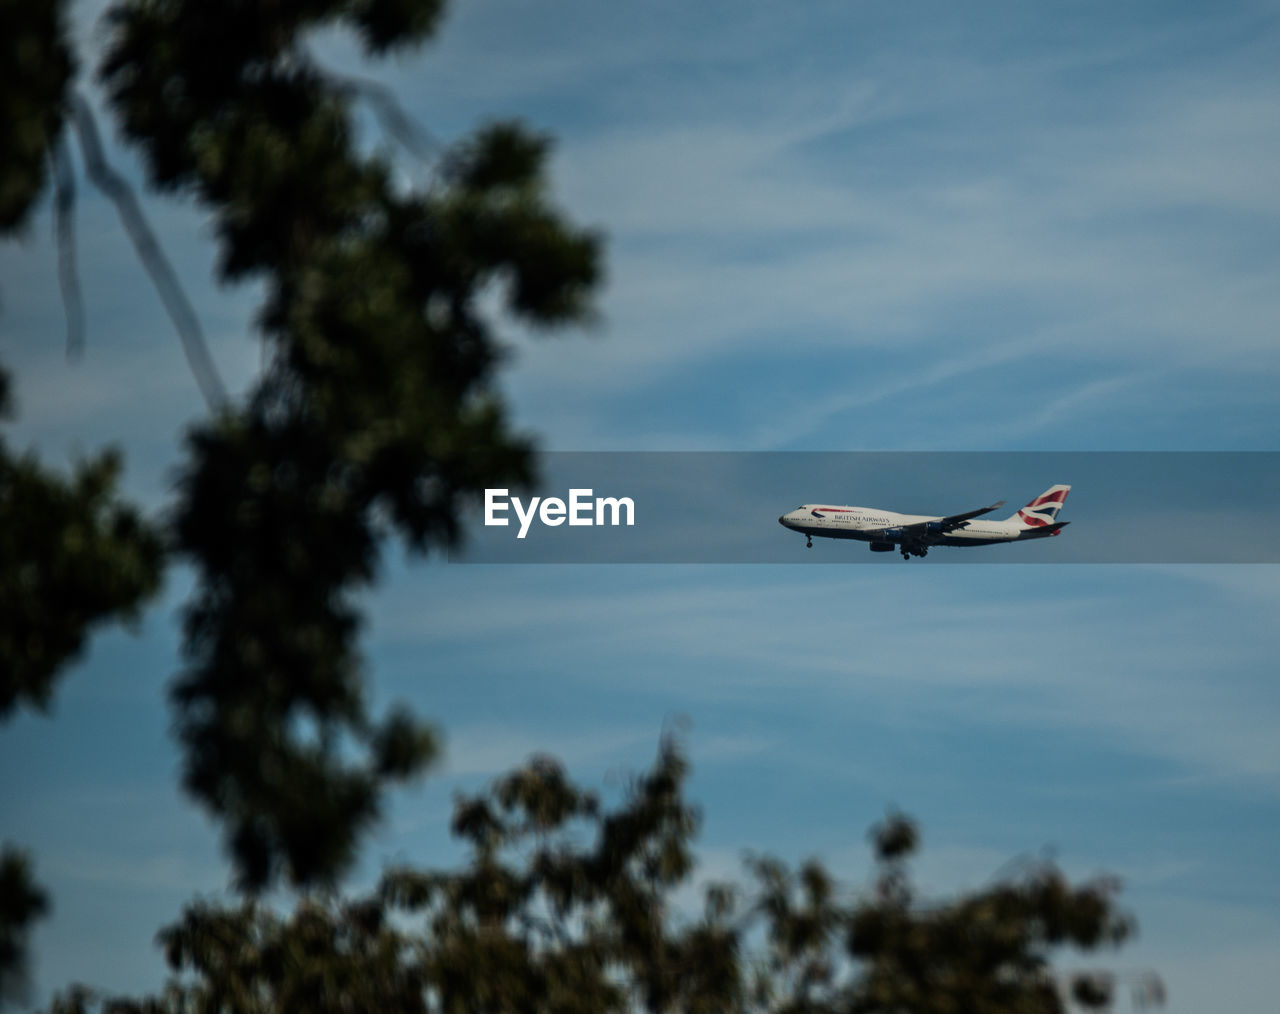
(871,524)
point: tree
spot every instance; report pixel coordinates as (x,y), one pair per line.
(377,415)
(21,902)
(566,905)
(72,554)
(34,77)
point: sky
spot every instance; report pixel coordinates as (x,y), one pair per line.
(844,226)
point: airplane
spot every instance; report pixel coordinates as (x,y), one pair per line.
(914,534)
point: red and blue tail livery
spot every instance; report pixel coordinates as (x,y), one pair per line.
(1043,510)
(914,534)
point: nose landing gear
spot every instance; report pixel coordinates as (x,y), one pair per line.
(808,542)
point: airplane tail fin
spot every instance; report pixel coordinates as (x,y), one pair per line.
(1042,512)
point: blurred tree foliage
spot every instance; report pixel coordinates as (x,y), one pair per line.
(35,69)
(71,555)
(21,903)
(377,417)
(564,905)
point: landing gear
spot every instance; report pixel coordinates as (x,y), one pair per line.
(911,549)
(808,542)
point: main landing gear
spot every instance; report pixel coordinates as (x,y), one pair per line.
(909,551)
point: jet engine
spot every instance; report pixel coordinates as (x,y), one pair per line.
(882,547)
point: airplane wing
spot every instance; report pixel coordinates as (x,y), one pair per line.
(956,520)
(923,529)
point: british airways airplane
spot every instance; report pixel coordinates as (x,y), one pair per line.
(914,534)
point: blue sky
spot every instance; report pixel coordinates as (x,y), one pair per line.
(831,226)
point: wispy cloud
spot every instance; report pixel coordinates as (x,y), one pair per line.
(780,220)
(492,749)
(1153,680)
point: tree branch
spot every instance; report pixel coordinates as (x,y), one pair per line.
(64,202)
(152,256)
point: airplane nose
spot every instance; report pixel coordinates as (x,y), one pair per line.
(782,520)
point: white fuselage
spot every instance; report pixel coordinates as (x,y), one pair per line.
(870,524)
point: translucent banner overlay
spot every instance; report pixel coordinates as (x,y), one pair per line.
(724,507)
